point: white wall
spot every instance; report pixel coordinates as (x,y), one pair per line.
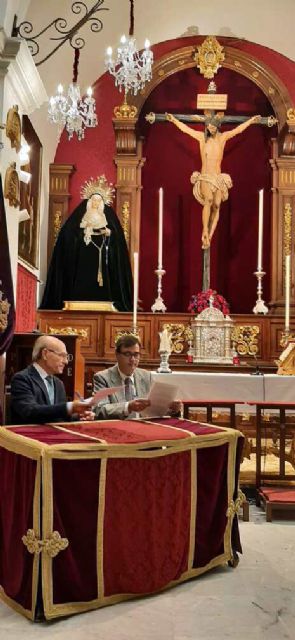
(20,84)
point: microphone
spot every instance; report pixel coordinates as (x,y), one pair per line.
(257,371)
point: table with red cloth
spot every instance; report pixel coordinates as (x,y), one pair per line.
(98,512)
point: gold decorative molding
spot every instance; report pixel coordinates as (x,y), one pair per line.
(287,229)
(57,218)
(209,57)
(51,545)
(245,338)
(68,331)
(180,333)
(11,185)
(125,219)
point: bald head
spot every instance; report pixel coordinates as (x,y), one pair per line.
(50,353)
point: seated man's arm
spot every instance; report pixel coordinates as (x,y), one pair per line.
(108,407)
(25,407)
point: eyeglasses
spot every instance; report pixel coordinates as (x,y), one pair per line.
(64,356)
(130,354)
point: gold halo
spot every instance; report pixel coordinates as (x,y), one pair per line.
(101,186)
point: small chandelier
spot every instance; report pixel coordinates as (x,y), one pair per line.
(130,69)
(71,111)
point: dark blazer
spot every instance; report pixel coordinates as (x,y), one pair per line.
(113,406)
(30,403)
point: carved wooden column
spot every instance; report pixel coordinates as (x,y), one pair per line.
(59,195)
(129,162)
(283,214)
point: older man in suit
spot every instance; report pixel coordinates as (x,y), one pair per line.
(135,382)
(37,395)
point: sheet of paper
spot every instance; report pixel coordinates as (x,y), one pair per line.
(100,395)
(161,395)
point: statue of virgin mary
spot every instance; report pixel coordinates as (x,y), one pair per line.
(90,260)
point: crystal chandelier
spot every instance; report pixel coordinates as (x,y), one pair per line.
(131,69)
(71,111)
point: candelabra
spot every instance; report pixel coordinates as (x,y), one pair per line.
(260,306)
(159,302)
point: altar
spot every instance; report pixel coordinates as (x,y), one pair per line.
(234,387)
(128,508)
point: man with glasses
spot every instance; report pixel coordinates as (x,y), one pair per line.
(37,395)
(134,382)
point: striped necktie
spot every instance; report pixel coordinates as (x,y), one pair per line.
(50,388)
(129,394)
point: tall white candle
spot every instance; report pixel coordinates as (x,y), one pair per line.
(260,231)
(160,236)
(287,291)
(135,288)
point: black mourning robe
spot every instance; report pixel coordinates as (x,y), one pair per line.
(72,274)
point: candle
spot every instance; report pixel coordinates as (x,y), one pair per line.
(135,289)
(287,292)
(260,231)
(160,236)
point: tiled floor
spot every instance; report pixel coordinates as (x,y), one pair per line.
(254,601)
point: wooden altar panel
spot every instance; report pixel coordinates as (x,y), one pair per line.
(89,326)
(98,331)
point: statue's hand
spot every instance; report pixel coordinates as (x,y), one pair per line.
(169,117)
(108,231)
(256,119)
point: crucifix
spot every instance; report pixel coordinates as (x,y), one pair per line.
(210,185)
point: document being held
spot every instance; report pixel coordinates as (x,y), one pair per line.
(161,395)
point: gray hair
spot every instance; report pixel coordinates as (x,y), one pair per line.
(39,345)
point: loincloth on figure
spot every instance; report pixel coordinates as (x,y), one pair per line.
(221,182)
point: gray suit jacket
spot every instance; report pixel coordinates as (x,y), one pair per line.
(114,405)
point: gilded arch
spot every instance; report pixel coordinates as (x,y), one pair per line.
(236,60)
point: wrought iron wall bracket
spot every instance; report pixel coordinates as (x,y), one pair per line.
(25,29)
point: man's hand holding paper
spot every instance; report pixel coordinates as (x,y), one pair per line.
(162,400)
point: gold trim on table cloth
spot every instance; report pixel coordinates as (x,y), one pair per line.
(194,497)
(100,529)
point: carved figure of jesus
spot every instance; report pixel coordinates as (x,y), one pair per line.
(210,185)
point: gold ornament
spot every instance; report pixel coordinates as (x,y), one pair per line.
(209,56)
(51,545)
(14,128)
(11,185)
(100,186)
(125,111)
(291,115)
(4,312)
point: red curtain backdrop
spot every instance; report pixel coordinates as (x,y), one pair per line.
(171,158)
(25,300)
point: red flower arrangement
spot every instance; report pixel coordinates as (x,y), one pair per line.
(200,301)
